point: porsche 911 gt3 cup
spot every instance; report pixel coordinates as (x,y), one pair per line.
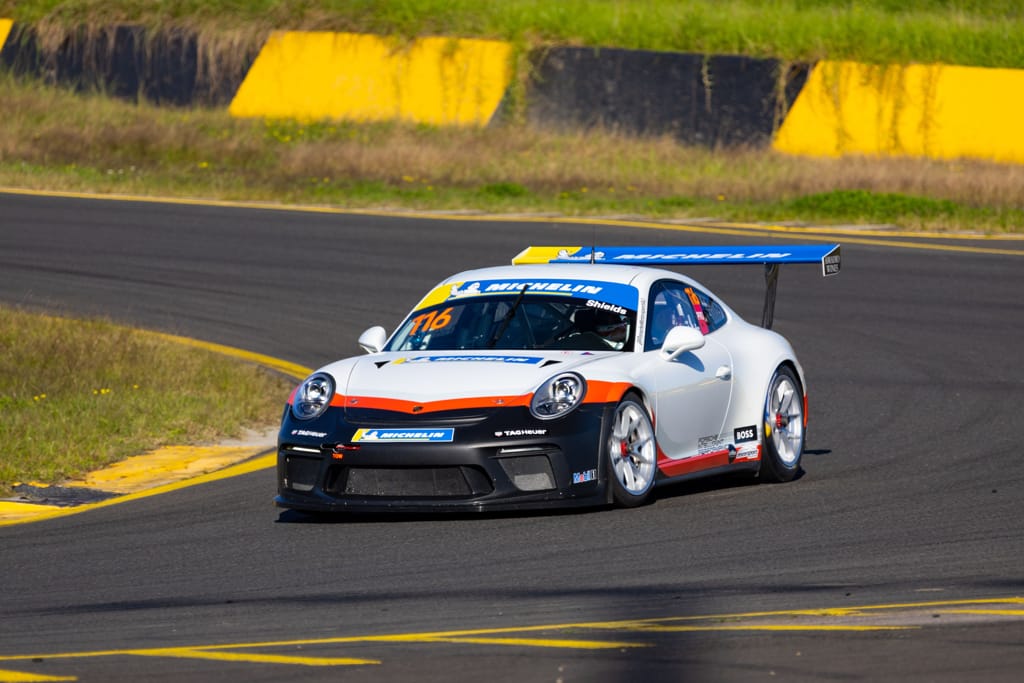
(577,376)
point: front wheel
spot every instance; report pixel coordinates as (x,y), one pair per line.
(632,454)
(783,427)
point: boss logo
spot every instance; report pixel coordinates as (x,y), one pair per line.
(745,434)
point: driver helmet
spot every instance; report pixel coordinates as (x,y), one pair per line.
(612,327)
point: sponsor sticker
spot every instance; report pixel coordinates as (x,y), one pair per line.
(606,307)
(701,319)
(610,293)
(306,432)
(831,263)
(520,432)
(744,434)
(565,287)
(585,476)
(748,453)
(585,255)
(710,444)
(703,256)
(404,435)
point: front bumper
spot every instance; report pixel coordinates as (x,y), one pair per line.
(504,459)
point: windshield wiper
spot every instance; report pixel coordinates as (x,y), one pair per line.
(508,318)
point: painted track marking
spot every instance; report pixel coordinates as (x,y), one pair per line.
(905,616)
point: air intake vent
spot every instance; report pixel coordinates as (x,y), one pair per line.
(529,472)
(409,482)
(300,472)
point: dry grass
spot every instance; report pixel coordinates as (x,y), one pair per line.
(55,139)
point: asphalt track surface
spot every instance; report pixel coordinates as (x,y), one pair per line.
(898,555)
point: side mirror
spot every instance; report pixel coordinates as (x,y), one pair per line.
(679,340)
(372,340)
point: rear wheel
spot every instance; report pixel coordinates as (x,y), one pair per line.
(783,427)
(632,454)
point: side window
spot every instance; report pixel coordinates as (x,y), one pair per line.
(669,307)
(709,311)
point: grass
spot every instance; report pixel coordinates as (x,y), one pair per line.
(970,32)
(78,395)
(54,139)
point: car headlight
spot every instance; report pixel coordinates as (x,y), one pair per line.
(558,396)
(313,396)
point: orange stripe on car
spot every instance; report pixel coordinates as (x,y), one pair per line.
(599,391)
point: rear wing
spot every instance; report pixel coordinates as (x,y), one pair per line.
(771,256)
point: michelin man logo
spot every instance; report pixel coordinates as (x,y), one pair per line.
(470,290)
(564,255)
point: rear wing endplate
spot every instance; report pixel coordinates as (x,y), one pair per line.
(771,256)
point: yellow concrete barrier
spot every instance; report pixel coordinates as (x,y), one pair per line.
(320,75)
(5,29)
(935,110)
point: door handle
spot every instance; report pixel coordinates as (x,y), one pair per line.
(724,372)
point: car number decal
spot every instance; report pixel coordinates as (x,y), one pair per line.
(431,321)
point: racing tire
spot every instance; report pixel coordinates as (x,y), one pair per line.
(631,453)
(783,442)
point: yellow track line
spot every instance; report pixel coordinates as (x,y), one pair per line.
(47,512)
(291,369)
(191,653)
(513,635)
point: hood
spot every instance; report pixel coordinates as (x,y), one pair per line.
(445,376)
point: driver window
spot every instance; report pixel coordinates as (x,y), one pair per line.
(669,307)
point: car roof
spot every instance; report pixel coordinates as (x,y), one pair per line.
(637,276)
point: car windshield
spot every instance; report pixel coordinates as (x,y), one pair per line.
(517,321)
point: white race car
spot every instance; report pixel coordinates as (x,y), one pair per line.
(577,376)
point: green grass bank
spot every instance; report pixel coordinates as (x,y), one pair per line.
(79,395)
(968,32)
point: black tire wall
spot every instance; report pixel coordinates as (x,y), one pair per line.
(708,100)
(714,101)
(162,67)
